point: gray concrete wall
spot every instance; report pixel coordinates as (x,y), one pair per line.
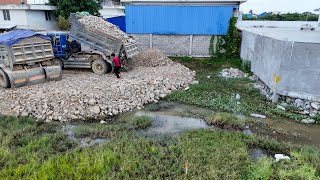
(175,45)
(288,68)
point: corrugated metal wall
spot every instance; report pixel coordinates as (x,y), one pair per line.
(196,20)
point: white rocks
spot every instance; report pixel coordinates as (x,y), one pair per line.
(299,103)
(315,105)
(195,82)
(232,73)
(258,115)
(279,157)
(308,121)
(82,93)
(281,107)
(238,96)
(103,122)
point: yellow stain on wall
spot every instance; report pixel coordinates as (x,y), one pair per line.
(276,78)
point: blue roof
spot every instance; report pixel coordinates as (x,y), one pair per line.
(13,37)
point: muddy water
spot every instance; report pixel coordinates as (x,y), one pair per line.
(163,124)
(291,131)
(180,117)
(83,142)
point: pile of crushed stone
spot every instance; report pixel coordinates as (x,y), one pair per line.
(82,94)
(108,28)
(150,58)
(233,73)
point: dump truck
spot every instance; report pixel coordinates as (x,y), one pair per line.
(26,58)
(88,47)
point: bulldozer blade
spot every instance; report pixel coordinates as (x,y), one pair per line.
(26,77)
(53,73)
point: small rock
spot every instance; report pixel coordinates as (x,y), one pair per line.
(238,96)
(195,82)
(308,121)
(281,107)
(92,101)
(208,77)
(95,110)
(279,157)
(258,115)
(275,98)
(187,88)
(315,105)
(73,117)
(103,122)
(298,103)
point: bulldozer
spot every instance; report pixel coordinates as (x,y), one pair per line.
(26,58)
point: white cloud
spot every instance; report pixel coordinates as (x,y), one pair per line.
(259,6)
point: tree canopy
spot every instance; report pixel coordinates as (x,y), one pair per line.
(65,7)
(287,17)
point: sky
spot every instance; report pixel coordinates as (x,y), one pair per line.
(259,6)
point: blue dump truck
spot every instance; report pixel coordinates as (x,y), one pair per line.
(26,57)
(88,47)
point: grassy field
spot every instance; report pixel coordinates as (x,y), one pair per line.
(218,93)
(32,150)
(35,150)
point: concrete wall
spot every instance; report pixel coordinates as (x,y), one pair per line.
(29,19)
(175,45)
(17,16)
(288,68)
(36,20)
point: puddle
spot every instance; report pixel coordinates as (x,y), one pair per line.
(258,153)
(83,142)
(289,129)
(164,124)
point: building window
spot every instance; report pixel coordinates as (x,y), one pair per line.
(48,16)
(6,15)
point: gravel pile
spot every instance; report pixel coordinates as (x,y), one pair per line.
(83,94)
(232,73)
(102,25)
(150,58)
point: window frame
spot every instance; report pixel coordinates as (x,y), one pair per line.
(6,15)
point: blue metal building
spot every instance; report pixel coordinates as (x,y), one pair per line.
(179,19)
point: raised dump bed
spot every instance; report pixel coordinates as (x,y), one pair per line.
(26,58)
(107,41)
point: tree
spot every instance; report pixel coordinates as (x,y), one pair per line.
(65,7)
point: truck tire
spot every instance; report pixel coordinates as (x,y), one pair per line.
(109,67)
(4,79)
(99,66)
(57,62)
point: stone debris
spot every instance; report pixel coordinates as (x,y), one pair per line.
(305,107)
(233,73)
(106,27)
(308,121)
(82,94)
(279,157)
(258,115)
(150,58)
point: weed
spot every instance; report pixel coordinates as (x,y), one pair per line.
(226,120)
(216,92)
(158,106)
(141,122)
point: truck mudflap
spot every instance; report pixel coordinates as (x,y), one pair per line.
(53,73)
(33,76)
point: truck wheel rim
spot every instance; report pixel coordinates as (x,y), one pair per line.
(99,67)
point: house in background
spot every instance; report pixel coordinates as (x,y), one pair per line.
(27,14)
(178,27)
(113,12)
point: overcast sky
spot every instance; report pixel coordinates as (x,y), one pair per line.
(259,6)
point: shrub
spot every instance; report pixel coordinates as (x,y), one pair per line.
(63,23)
(225,120)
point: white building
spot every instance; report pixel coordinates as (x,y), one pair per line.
(34,15)
(111,9)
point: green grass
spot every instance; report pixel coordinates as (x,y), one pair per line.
(225,120)
(46,153)
(218,93)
